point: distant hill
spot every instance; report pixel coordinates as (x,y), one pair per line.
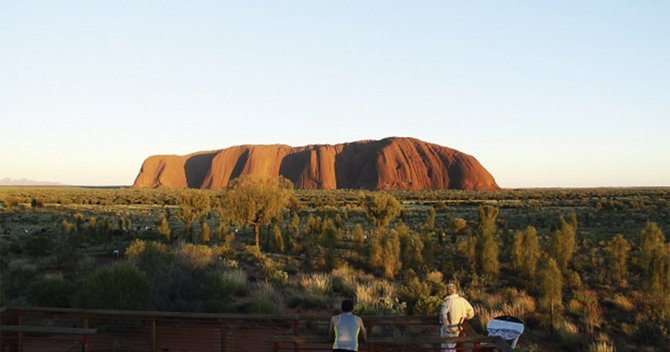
(25,182)
(389,164)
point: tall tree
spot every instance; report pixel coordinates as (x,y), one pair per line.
(331,237)
(526,253)
(430,221)
(256,201)
(658,282)
(651,237)
(487,246)
(617,256)
(551,292)
(391,254)
(193,205)
(205,232)
(277,239)
(358,238)
(563,242)
(380,208)
(164,227)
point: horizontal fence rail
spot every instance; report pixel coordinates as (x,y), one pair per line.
(61,329)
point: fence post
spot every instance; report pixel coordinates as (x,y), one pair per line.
(224,338)
(371,346)
(20,342)
(84,338)
(153,335)
(296,323)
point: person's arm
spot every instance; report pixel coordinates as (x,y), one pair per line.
(469,311)
(364,333)
(443,314)
(331,335)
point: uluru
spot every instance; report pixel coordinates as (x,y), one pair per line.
(395,163)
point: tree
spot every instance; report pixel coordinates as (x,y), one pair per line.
(487,247)
(430,221)
(617,256)
(122,224)
(551,291)
(67,226)
(193,205)
(92,225)
(380,208)
(563,243)
(331,236)
(651,237)
(526,253)
(358,238)
(256,201)
(658,281)
(391,254)
(411,247)
(277,239)
(205,232)
(164,227)
(78,222)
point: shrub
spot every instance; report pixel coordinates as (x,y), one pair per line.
(601,346)
(568,335)
(268,290)
(265,299)
(622,303)
(38,245)
(427,305)
(149,256)
(263,305)
(195,256)
(307,300)
(344,280)
(236,282)
(118,287)
(50,291)
(315,283)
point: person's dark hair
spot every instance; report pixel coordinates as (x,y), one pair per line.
(347,305)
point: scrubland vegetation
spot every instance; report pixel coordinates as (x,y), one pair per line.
(585,269)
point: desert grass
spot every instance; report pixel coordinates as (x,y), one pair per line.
(236,280)
(507,302)
(317,283)
(601,346)
(370,292)
(622,303)
(347,278)
(267,290)
(195,256)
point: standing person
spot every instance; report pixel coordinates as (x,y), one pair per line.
(345,328)
(455,310)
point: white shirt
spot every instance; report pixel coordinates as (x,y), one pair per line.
(455,310)
(346,327)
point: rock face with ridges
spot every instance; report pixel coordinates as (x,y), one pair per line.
(388,164)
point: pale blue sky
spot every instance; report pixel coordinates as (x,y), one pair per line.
(543,93)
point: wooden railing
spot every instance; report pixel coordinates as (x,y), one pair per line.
(161,331)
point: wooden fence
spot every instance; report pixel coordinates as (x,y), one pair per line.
(27,329)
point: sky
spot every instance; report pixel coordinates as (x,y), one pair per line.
(542,93)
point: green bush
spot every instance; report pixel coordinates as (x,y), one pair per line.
(307,300)
(428,305)
(50,291)
(263,305)
(38,245)
(121,287)
(235,281)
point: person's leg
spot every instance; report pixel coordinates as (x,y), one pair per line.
(447,347)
